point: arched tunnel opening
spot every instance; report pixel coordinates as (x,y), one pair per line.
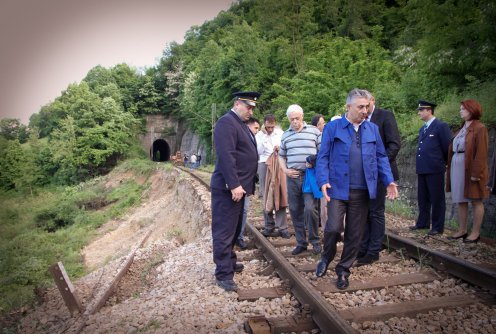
(160,150)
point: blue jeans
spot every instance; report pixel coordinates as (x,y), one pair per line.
(303,213)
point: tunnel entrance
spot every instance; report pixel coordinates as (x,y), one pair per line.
(160,150)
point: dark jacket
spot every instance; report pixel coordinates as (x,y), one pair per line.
(236,149)
(390,136)
(432,150)
(476,154)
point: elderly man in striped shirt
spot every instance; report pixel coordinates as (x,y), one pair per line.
(297,143)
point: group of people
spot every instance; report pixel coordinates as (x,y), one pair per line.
(463,158)
(348,166)
(193,161)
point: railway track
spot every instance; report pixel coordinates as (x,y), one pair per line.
(410,282)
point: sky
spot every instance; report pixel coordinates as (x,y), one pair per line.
(45,45)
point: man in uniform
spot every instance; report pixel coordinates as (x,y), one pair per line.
(232,179)
(432,156)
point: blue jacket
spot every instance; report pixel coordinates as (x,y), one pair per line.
(332,160)
(310,183)
(432,150)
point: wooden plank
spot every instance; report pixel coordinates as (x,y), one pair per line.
(66,288)
(283,242)
(309,267)
(405,309)
(279,325)
(95,307)
(267,293)
(377,282)
(257,325)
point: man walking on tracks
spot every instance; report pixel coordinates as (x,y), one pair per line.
(351,160)
(373,233)
(232,179)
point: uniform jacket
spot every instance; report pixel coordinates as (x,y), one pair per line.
(432,149)
(237,156)
(476,154)
(276,191)
(332,160)
(390,136)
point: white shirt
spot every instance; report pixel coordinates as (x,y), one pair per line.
(266,143)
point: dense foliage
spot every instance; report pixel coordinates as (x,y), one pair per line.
(309,52)
(293,51)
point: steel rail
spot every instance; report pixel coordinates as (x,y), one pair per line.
(328,320)
(460,268)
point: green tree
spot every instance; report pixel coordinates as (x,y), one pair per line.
(11,158)
(11,128)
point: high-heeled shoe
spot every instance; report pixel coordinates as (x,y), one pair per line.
(463,236)
(470,241)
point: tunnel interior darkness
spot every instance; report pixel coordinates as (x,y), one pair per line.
(160,150)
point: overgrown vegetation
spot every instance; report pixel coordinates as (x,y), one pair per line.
(54,225)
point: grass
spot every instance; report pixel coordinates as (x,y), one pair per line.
(54,225)
(400,207)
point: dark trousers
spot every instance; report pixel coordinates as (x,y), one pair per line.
(430,196)
(227,217)
(374,230)
(355,209)
(303,213)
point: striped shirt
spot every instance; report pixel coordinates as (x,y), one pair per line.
(297,146)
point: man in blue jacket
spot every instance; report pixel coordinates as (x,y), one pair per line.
(350,161)
(431,159)
(232,180)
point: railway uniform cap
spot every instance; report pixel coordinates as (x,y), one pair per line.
(426,105)
(249,98)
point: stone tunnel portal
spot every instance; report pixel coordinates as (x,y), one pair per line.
(160,150)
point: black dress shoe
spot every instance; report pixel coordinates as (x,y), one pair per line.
(227,285)
(267,232)
(321,268)
(298,250)
(470,241)
(342,282)
(367,259)
(434,232)
(463,236)
(415,227)
(238,267)
(241,244)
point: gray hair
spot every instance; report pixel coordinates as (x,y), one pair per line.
(292,108)
(357,93)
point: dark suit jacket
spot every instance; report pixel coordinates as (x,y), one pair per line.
(432,150)
(390,136)
(237,156)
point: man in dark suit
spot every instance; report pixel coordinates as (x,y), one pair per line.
(232,179)
(431,159)
(373,233)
